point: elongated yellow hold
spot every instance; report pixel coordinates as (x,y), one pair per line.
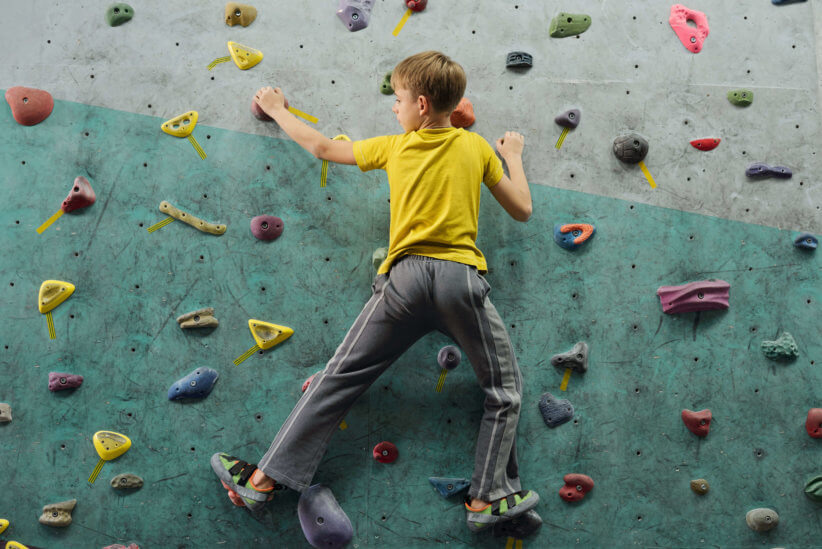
(15,545)
(110,445)
(267,335)
(52,293)
(3,525)
(181,126)
(244,57)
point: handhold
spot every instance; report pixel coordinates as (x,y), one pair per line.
(706,144)
(244,57)
(813,489)
(355,14)
(762,519)
(463,115)
(806,241)
(267,335)
(260,114)
(308,381)
(700,486)
(81,195)
(53,293)
(518,60)
(416,5)
(630,148)
(119,13)
(58,514)
(126,481)
(575,359)
(568,119)
(239,14)
(385,452)
(692,38)
(29,106)
(785,2)
(740,97)
(16,545)
(576,486)
(4,523)
(762,170)
(518,527)
(5,412)
(201,318)
(447,487)
(378,257)
(813,423)
(110,445)
(323,521)
(196,222)
(266,227)
(783,348)
(573,235)
(569,24)
(59,381)
(699,423)
(702,295)
(555,411)
(385,85)
(182,125)
(198,384)
(449,357)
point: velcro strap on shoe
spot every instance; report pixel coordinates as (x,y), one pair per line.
(495,508)
(246,473)
(237,467)
(511,501)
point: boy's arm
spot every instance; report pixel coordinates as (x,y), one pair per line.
(512,192)
(272,102)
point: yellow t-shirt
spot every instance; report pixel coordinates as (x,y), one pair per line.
(434,177)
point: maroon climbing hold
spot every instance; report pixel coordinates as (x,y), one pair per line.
(260,114)
(29,106)
(81,195)
(692,38)
(308,381)
(699,423)
(702,295)
(416,5)
(266,227)
(463,115)
(59,381)
(385,452)
(814,423)
(576,486)
(707,144)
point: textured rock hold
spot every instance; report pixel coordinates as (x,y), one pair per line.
(813,423)
(239,14)
(569,119)
(575,359)
(385,85)
(700,486)
(463,115)
(519,60)
(324,523)
(447,487)
(268,335)
(416,5)
(5,412)
(813,488)
(196,385)
(201,318)
(706,144)
(385,452)
(449,357)
(761,170)
(762,519)
(378,257)
(81,195)
(701,295)
(267,227)
(569,24)
(522,526)
(741,97)
(691,38)
(631,148)
(52,293)
(576,486)
(126,481)
(573,235)
(806,241)
(555,411)
(58,514)
(699,423)
(119,13)
(355,14)
(59,381)
(29,106)
(782,348)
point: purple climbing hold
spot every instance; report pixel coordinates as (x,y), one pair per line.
(449,357)
(59,381)
(324,522)
(196,385)
(266,227)
(355,14)
(568,119)
(806,241)
(702,295)
(761,170)
(555,411)
(447,487)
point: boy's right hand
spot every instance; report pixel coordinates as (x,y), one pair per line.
(511,144)
(270,99)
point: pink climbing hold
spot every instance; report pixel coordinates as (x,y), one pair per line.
(29,106)
(813,424)
(81,195)
(308,381)
(259,113)
(576,486)
(699,423)
(58,381)
(702,295)
(691,38)
(416,5)
(385,452)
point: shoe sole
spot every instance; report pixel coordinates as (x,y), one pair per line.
(516,511)
(223,474)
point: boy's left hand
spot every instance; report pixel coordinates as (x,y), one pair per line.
(270,99)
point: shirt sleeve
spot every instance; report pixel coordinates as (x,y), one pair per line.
(491,164)
(373,153)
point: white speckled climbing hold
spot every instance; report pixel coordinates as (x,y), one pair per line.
(762,519)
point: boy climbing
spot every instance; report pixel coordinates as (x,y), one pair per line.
(430,280)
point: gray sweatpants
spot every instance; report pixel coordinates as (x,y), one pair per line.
(418,295)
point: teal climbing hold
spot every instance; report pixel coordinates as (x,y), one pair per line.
(783,348)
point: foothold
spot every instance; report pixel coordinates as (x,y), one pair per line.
(29,106)
(692,38)
(631,148)
(53,293)
(416,5)
(449,357)
(813,423)
(3,525)
(700,486)
(308,381)
(762,170)
(110,445)
(813,489)
(555,411)
(378,257)
(569,119)
(182,125)
(355,14)
(576,486)
(385,452)
(201,318)
(385,85)
(762,519)
(196,222)
(81,195)
(573,235)
(244,57)
(196,385)
(806,241)
(59,381)
(575,359)
(239,14)
(58,514)
(447,487)
(785,2)
(706,144)
(699,423)
(266,227)
(522,526)
(741,97)
(267,334)
(323,521)
(463,115)
(121,546)
(5,413)
(783,348)
(702,295)
(519,60)
(119,13)
(126,481)
(569,24)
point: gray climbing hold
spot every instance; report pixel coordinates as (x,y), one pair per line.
(519,527)
(700,486)
(5,413)
(201,318)
(630,148)
(355,14)
(58,514)
(568,119)
(449,357)
(519,60)
(762,519)
(761,170)
(385,85)
(806,241)
(447,487)
(575,359)
(783,348)
(126,481)
(555,411)
(323,521)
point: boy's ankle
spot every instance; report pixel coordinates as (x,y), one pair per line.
(261,481)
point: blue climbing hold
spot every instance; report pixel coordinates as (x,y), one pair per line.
(760,170)
(448,487)
(806,241)
(449,357)
(198,384)
(324,522)
(555,411)
(785,2)
(573,235)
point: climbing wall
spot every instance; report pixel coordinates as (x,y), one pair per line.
(115,86)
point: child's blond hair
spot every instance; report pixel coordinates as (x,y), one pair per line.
(434,75)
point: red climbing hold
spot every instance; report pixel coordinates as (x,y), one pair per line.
(576,486)
(81,195)
(699,423)
(416,5)
(814,423)
(385,452)
(29,106)
(308,381)
(463,115)
(707,144)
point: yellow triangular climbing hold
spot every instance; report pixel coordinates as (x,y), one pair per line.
(244,56)
(110,445)
(3,525)
(181,126)
(267,335)
(52,293)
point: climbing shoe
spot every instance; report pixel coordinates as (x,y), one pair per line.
(235,474)
(505,508)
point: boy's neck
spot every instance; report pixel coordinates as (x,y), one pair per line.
(434,122)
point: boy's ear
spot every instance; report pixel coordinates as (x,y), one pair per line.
(424,105)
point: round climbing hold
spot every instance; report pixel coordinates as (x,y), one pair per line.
(700,486)
(449,357)
(463,116)
(416,5)
(267,227)
(576,486)
(29,106)
(385,85)
(119,13)
(239,14)
(740,98)
(813,423)
(762,519)
(699,423)
(385,452)
(630,148)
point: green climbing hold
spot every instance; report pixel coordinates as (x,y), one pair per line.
(783,348)
(743,98)
(569,24)
(813,488)
(385,85)
(119,13)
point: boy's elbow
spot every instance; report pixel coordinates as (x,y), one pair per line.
(524,214)
(318,150)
